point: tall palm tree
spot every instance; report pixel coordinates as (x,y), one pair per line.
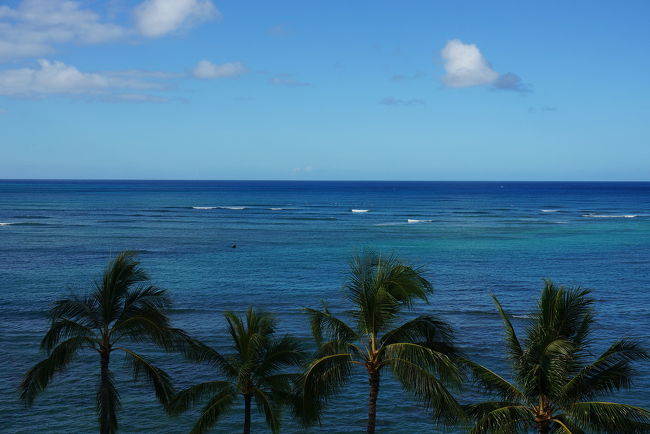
(120,309)
(420,353)
(555,388)
(257,369)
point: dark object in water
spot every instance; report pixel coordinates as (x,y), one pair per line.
(234,245)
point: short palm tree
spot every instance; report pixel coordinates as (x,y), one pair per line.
(419,353)
(121,309)
(555,389)
(257,369)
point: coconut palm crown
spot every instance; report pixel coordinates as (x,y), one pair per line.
(556,387)
(257,369)
(120,310)
(419,353)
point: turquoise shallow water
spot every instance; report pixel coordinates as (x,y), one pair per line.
(293,242)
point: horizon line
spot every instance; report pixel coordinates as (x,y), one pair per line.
(313,180)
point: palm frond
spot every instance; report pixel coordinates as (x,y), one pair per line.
(323,379)
(441,364)
(427,389)
(199,352)
(609,417)
(492,382)
(213,411)
(380,287)
(186,399)
(279,354)
(561,425)
(266,406)
(425,330)
(500,417)
(155,376)
(39,376)
(610,372)
(63,328)
(83,310)
(120,275)
(326,327)
(514,346)
(145,326)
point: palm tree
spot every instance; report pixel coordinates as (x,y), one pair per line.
(256,369)
(120,309)
(419,353)
(555,389)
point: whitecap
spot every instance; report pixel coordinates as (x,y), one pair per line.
(418,221)
(204,207)
(611,216)
(360,210)
(548,210)
(277,209)
(233,207)
(5,224)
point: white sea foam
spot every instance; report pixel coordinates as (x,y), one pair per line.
(233,207)
(277,209)
(418,221)
(5,224)
(204,207)
(360,210)
(549,210)
(611,216)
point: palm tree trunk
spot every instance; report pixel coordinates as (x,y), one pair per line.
(373,380)
(247,413)
(104,398)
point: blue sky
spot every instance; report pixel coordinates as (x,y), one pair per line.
(417,90)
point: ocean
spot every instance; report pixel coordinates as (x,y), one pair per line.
(293,243)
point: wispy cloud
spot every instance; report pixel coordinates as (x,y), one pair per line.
(390,101)
(49,78)
(465,66)
(278,30)
(284,80)
(155,18)
(56,78)
(305,169)
(512,82)
(208,70)
(407,77)
(542,109)
(3,111)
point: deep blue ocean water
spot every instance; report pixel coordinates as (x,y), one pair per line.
(294,239)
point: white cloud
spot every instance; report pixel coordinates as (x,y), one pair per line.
(155,18)
(33,27)
(207,70)
(306,169)
(465,65)
(57,78)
